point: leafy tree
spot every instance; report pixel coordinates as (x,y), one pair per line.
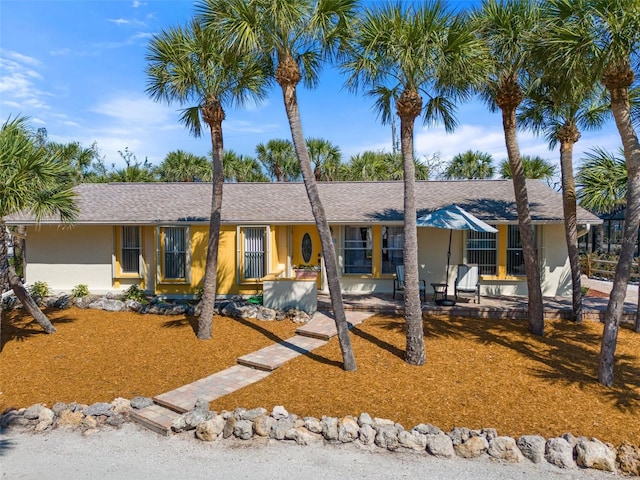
(192,66)
(414,50)
(181,166)
(79,158)
(535,168)
(558,112)
(505,26)
(325,158)
(295,36)
(238,168)
(278,158)
(134,170)
(470,165)
(601,39)
(602,181)
(380,166)
(33,180)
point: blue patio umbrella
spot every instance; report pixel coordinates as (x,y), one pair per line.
(454,218)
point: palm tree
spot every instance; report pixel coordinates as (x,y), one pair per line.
(602,181)
(385,103)
(134,170)
(296,36)
(191,66)
(379,166)
(325,158)
(559,113)
(505,25)
(34,180)
(181,166)
(238,168)
(470,165)
(278,158)
(601,39)
(414,50)
(535,168)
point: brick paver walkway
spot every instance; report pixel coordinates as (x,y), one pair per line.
(252,368)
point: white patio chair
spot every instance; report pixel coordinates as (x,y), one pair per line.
(398,283)
(467,281)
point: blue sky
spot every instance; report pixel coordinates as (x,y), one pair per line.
(77,68)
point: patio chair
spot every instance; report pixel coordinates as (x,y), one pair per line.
(467,281)
(398,283)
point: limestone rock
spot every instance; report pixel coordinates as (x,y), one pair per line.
(365,419)
(266,314)
(280,428)
(115,420)
(33,412)
(472,448)
(440,445)
(67,418)
(347,430)
(262,425)
(382,422)
(121,406)
(330,428)
(243,429)
(459,435)
(190,420)
(313,424)
(412,440)
(559,452)
(532,447)
(251,415)
(229,426)
(45,419)
(13,418)
(595,454)
(366,434)
(302,436)
(505,448)
(59,407)
(107,304)
(141,402)
(488,433)
(628,459)
(279,412)
(99,408)
(387,437)
(89,422)
(427,429)
(209,430)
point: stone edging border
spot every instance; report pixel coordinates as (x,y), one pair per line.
(567,451)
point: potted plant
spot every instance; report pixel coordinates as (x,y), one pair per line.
(306,272)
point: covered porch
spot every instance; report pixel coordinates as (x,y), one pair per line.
(515,307)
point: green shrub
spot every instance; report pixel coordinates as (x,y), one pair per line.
(80,291)
(40,289)
(197,295)
(134,293)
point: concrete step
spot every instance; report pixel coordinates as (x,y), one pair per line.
(214,386)
(273,356)
(156,418)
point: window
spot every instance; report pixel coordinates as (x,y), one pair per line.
(175,253)
(515,257)
(481,249)
(358,250)
(254,252)
(131,249)
(392,248)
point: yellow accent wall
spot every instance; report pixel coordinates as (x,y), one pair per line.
(502,251)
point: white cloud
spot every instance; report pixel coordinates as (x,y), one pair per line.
(24,59)
(137,3)
(18,82)
(119,21)
(60,52)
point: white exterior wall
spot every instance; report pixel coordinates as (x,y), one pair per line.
(66,257)
(554,259)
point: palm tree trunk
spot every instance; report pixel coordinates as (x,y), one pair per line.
(527,236)
(415,352)
(214,115)
(4,274)
(570,222)
(328,250)
(621,113)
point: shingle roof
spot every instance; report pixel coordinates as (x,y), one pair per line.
(287,203)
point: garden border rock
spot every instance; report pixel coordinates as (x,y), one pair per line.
(364,431)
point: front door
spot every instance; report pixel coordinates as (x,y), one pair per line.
(306,247)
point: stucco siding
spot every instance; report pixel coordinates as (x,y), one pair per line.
(66,257)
